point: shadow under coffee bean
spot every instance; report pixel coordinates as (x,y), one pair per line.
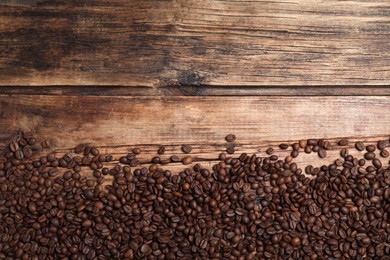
(244,207)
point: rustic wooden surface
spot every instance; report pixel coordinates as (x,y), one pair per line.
(118,124)
(194,42)
(198,91)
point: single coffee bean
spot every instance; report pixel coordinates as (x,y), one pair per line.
(230,138)
(322,153)
(136,151)
(344,152)
(369,156)
(382,144)
(294,154)
(359,146)
(377,163)
(283,146)
(187,160)
(186,148)
(270,151)
(175,158)
(45,144)
(230,149)
(384,153)
(79,148)
(343,142)
(370,148)
(295,241)
(161,150)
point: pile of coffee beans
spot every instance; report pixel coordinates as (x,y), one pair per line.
(244,207)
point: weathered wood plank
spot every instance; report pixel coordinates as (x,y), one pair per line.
(194,42)
(199,90)
(118,124)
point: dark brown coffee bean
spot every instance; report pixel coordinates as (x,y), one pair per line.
(136,151)
(230,149)
(186,148)
(377,163)
(79,148)
(161,150)
(322,153)
(94,151)
(45,144)
(369,156)
(294,154)
(146,249)
(270,151)
(175,158)
(370,148)
(312,142)
(19,155)
(27,152)
(382,144)
(343,142)
(384,153)
(230,138)
(344,152)
(359,146)
(283,146)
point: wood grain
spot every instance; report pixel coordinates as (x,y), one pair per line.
(118,124)
(194,42)
(198,91)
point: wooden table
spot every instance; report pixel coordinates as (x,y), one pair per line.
(120,74)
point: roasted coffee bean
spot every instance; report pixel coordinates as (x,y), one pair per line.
(45,144)
(382,144)
(186,148)
(230,138)
(384,153)
(359,146)
(322,153)
(161,150)
(243,207)
(80,148)
(370,148)
(187,160)
(283,146)
(369,156)
(343,142)
(175,158)
(344,152)
(230,149)
(270,151)
(377,163)
(136,151)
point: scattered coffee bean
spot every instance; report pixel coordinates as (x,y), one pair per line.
(382,144)
(230,138)
(384,153)
(343,142)
(175,158)
(187,160)
(186,148)
(230,149)
(270,151)
(283,146)
(359,146)
(370,148)
(369,156)
(161,150)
